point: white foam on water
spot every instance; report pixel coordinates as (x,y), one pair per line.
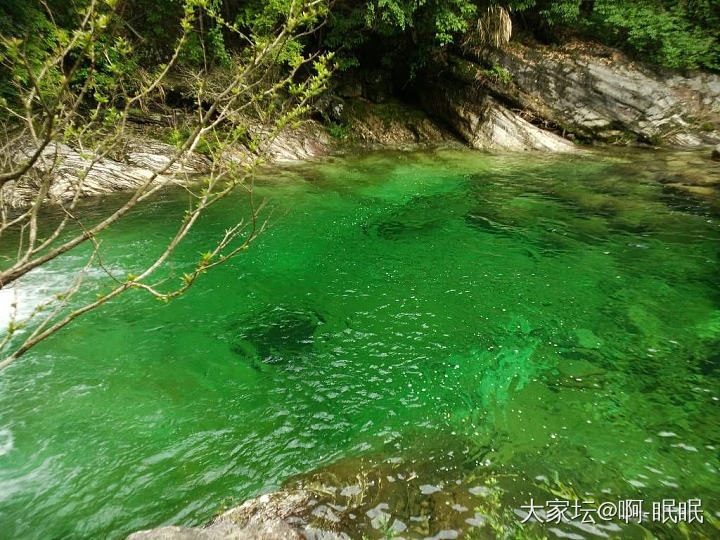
(7,441)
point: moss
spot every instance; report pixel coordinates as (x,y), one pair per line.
(389,112)
(465,71)
(339,131)
(626,138)
(498,73)
(656,140)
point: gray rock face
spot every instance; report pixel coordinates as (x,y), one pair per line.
(482,121)
(155,155)
(308,142)
(500,128)
(101,174)
(605,99)
(134,162)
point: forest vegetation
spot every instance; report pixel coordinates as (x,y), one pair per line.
(675,34)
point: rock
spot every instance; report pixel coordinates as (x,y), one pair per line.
(66,165)
(715,154)
(703,191)
(393,123)
(309,141)
(331,108)
(598,97)
(274,530)
(377,86)
(351,90)
(276,336)
(485,123)
(177,533)
(350,85)
(502,129)
(136,160)
(275,516)
(141,151)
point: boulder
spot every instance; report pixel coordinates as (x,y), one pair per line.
(482,121)
(608,99)
(498,128)
(132,163)
(274,530)
(715,154)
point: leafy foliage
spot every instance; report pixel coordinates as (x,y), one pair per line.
(396,32)
(498,73)
(672,33)
(72,79)
(393,33)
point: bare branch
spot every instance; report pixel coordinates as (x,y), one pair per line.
(96,128)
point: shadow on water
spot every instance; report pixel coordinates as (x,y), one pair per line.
(420,216)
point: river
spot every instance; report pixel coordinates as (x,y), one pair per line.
(534,326)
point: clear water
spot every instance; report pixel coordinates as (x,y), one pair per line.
(548,325)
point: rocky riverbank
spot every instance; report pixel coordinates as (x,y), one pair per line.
(515,98)
(521,98)
(139,156)
(530,97)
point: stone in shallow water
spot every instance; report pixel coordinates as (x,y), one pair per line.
(275,530)
(419,216)
(275,516)
(402,228)
(477,220)
(394,229)
(276,336)
(587,339)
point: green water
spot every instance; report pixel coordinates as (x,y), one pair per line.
(555,321)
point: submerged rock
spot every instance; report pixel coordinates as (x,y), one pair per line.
(275,336)
(351,498)
(715,154)
(445,493)
(419,216)
(477,220)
